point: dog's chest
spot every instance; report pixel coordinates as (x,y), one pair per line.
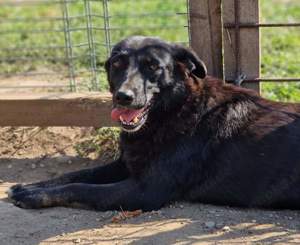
(139,154)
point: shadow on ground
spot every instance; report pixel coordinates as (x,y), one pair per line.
(181,223)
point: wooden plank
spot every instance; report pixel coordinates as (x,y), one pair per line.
(249,41)
(206,33)
(71,109)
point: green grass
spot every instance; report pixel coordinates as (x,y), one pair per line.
(280,49)
(280,46)
(170,28)
(103,143)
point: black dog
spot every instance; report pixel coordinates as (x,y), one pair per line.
(185,136)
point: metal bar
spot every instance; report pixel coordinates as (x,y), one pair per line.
(42,31)
(269,79)
(37,86)
(188,22)
(5,32)
(29,74)
(32,48)
(35,2)
(42,19)
(38,31)
(92,48)
(117,28)
(139,0)
(145,15)
(68,44)
(23,58)
(42,47)
(255,25)
(106,27)
(61,74)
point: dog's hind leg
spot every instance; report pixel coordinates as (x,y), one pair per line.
(110,173)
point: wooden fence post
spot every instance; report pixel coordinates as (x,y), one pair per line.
(241,45)
(206,33)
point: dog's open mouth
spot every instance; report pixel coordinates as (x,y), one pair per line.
(131,120)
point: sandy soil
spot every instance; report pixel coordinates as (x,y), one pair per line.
(31,154)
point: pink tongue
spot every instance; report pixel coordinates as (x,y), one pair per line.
(126,114)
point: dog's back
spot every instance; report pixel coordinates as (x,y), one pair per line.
(256,163)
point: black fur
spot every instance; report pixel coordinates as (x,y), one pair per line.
(203,141)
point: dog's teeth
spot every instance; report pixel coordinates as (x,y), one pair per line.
(121,118)
(135,120)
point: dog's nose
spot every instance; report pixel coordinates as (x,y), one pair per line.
(125,97)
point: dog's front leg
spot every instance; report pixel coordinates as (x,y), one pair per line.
(129,194)
(112,172)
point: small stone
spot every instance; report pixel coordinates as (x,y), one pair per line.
(9,166)
(226,228)
(33,166)
(70,162)
(63,159)
(181,206)
(253,221)
(290,218)
(219,225)
(210,224)
(1,181)
(78,240)
(42,165)
(108,214)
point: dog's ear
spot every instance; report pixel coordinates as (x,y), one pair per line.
(191,61)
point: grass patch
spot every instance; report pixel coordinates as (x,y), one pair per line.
(104,143)
(280,49)
(21,51)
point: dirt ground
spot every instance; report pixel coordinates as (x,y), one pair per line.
(31,154)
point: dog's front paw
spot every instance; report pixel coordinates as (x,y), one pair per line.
(14,190)
(30,199)
(18,188)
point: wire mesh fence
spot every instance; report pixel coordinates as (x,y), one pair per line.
(61,45)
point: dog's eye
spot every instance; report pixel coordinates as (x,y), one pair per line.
(117,64)
(153,67)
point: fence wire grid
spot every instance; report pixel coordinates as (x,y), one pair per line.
(61,45)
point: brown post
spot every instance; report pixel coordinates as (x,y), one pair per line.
(206,33)
(241,45)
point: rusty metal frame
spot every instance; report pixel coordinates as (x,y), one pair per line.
(237,26)
(258,25)
(269,79)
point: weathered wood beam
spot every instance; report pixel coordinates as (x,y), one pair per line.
(206,33)
(71,109)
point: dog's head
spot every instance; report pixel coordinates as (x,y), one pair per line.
(142,73)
